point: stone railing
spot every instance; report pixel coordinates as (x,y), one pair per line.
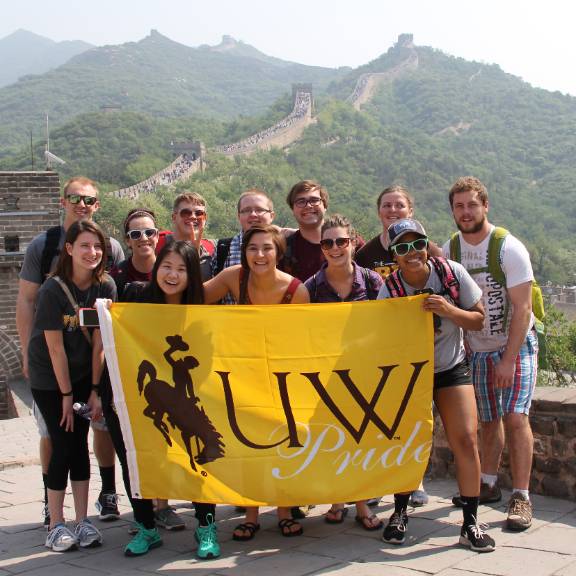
(367,83)
(281,134)
(179,170)
(553,420)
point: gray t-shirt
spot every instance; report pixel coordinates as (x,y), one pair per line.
(32,266)
(448,340)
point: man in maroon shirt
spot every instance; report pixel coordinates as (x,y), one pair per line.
(303,257)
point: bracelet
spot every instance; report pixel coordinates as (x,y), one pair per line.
(66,393)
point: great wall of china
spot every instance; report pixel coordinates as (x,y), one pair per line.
(283,133)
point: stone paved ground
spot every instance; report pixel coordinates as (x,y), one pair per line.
(548,548)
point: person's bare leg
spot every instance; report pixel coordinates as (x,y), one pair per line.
(80,494)
(56,506)
(457,407)
(45,453)
(103,448)
(492,445)
(520,449)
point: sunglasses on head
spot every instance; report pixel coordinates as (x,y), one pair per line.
(137,234)
(77,198)
(188,213)
(328,243)
(402,248)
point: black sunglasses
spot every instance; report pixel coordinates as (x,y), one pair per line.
(328,243)
(137,234)
(77,198)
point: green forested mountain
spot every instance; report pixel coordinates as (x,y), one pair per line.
(446,118)
(156,76)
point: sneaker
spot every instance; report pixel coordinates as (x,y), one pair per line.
(107,506)
(207,538)
(395,532)
(46,514)
(145,539)
(519,513)
(87,534)
(168,518)
(60,539)
(475,537)
(488,495)
(418,498)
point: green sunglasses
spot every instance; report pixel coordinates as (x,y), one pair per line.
(402,248)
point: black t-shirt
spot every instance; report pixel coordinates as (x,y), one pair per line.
(54,312)
(375,257)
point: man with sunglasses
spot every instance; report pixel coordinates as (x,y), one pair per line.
(189,219)
(303,257)
(80,202)
(504,353)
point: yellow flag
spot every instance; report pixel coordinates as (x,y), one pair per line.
(273,405)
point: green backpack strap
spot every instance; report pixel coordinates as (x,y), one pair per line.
(494,250)
(455,252)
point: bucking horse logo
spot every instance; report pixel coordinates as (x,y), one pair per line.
(179,404)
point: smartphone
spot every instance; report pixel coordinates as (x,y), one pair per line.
(89,317)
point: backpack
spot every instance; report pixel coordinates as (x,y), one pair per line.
(494,268)
(450,284)
(289,260)
(222,251)
(166,236)
(371,292)
(51,250)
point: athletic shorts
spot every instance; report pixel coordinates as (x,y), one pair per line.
(492,402)
(458,375)
(43,430)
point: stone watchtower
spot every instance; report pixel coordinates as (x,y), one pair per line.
(29,204)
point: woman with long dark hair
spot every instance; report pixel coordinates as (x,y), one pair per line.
(175,279)
(257,280)
(65,365)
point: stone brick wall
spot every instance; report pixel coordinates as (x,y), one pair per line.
(29,204)
(553,420)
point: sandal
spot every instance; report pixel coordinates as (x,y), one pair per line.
(338,516)
(286,528)
(367,522)
(249,527)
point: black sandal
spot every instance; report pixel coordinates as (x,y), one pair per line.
(286,525)
(249,527)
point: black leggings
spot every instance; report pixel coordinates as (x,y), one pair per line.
(143,508)
(69,449)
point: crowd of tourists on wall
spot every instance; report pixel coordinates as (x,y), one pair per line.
(485,371)
(302,108)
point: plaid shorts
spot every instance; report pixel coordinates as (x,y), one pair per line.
(493,402)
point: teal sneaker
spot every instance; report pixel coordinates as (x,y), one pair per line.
(207,538)
(144,540)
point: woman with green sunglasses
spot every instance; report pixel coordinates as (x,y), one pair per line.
(455,300)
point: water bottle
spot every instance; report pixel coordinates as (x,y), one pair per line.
(82,409)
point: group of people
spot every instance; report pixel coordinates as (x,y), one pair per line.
(302,106)
(485,349)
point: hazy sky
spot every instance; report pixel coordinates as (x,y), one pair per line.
(531,39)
